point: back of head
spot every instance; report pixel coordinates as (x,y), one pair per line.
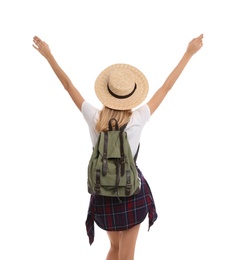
(122,116)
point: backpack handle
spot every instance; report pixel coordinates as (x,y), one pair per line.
(110,124)
(116,125)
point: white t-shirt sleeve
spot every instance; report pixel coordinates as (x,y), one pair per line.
(134,128)
(90,114)
(142,115)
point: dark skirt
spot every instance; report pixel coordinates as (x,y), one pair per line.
(112,215)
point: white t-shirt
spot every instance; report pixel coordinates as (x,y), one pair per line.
(134,127)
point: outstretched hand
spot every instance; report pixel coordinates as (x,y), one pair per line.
(195,44)
(41,46)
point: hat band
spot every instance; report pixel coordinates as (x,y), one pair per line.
(124,96)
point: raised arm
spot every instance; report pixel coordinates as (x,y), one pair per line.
(44,50)
(160,94)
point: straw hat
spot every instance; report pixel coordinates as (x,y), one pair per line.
(121,87)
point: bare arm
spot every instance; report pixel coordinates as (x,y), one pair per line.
(44,50)
(160,94)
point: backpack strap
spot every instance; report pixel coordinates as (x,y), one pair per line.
(123,127)
(128,185)
(136,154)
(97,185)
(105,167)
(122,159)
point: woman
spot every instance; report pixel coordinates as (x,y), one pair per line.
(120,88)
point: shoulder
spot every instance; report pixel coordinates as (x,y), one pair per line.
(88,108)
(89,112)
(141,114)
(86,105)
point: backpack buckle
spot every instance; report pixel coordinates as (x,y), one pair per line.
(97,188)
(122,160)
(128,188)
(97,184)
(128,185)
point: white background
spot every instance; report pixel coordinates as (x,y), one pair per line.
(44,144)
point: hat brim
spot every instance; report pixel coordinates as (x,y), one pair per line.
(110,101)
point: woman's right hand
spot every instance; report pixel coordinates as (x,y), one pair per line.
(195,44)
(41,46)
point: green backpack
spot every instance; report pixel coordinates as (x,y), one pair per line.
(112,169)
